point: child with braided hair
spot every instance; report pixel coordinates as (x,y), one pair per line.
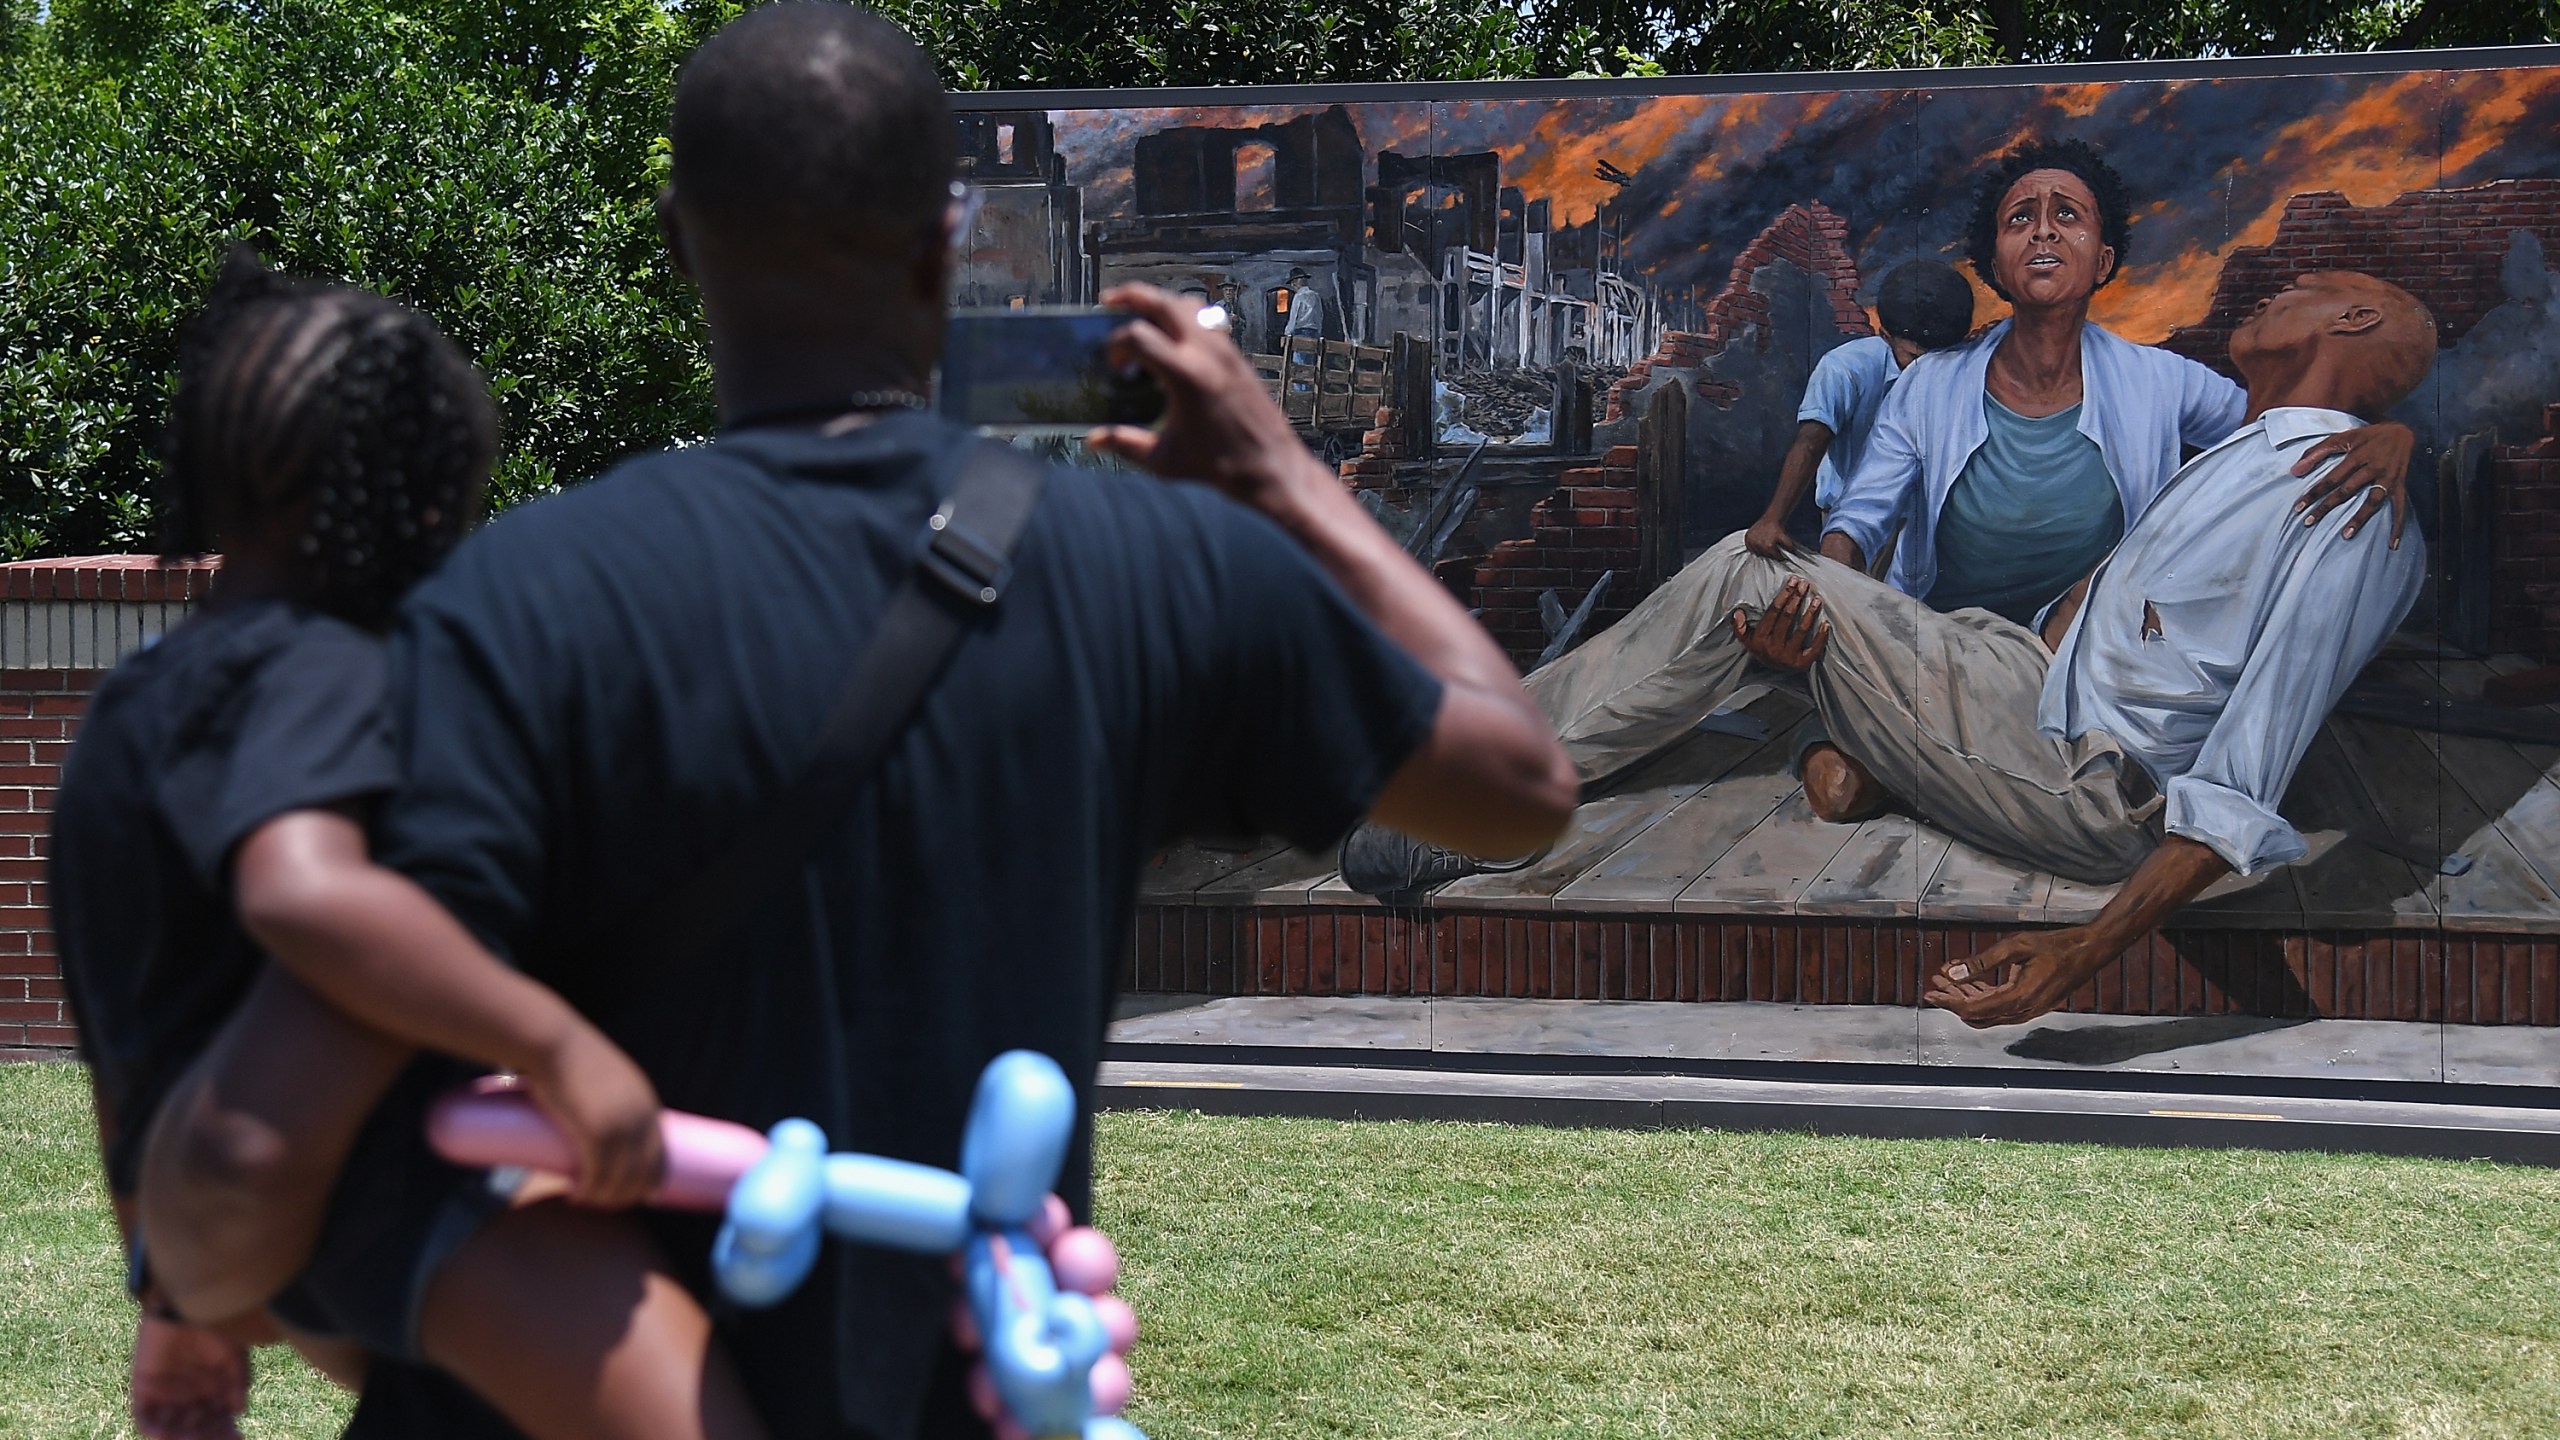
(333,445)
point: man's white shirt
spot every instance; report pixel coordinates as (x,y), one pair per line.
(2217,637)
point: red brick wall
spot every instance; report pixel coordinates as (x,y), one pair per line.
(1587,526)
(2524,594)
(1381,447)
(39,713)
(1807,236)
(2443,246)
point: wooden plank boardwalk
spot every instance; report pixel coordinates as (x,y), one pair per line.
(1704,875)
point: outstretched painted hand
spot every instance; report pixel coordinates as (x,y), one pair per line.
(2016,980)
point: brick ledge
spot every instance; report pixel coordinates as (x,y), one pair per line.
(108,577)
(1299,949)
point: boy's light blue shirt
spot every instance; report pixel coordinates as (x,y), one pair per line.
(1846,390)
(2140,404)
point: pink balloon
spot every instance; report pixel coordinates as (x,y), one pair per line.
(1119,1320)
(1051,1222)
(1110,1385)
(497,1124)
(1084,1259)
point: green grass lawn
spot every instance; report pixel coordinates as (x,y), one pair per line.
(1302,1278)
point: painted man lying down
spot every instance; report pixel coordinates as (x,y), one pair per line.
(2146,735)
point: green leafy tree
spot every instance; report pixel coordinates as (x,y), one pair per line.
(494,168)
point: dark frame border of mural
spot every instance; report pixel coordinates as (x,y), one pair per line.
(1729,321)
(2239,67)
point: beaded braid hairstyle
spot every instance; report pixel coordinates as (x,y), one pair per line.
(347,405)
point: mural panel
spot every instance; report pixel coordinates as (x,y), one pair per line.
(1573,347)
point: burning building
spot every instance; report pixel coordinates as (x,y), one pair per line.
(1264,209)
(1027,247)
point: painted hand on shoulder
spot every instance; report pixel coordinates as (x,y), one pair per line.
(2016,980)
(1791,634)
(2373,468)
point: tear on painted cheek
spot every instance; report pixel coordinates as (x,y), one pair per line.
(2150,621)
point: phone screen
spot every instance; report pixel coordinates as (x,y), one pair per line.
(1033,370)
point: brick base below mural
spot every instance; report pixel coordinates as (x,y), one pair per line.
(2429,975)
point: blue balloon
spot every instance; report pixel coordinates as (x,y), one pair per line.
(770,1239)
(1041,1342)
(896,1204)
(1019,1127)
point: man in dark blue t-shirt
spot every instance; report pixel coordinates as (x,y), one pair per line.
(599,693)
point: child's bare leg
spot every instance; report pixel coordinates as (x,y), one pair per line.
(569,1323)
(238,1169)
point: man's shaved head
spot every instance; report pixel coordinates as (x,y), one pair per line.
(2367,341)
(2404,343)
(813,123)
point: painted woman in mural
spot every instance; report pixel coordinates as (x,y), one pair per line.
(2012,464)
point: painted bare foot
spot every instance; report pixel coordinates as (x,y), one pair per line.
(1839,789)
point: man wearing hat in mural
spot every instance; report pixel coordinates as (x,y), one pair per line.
(1231,300)
(1306,307)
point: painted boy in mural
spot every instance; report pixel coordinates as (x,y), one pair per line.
(2146,734)
(1923,305)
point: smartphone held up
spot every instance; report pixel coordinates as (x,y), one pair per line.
(1042,370)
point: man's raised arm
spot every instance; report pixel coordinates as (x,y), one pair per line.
(1490,779)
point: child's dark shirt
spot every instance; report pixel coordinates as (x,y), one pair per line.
(239,715)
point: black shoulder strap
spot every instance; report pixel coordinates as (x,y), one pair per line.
(962,562)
